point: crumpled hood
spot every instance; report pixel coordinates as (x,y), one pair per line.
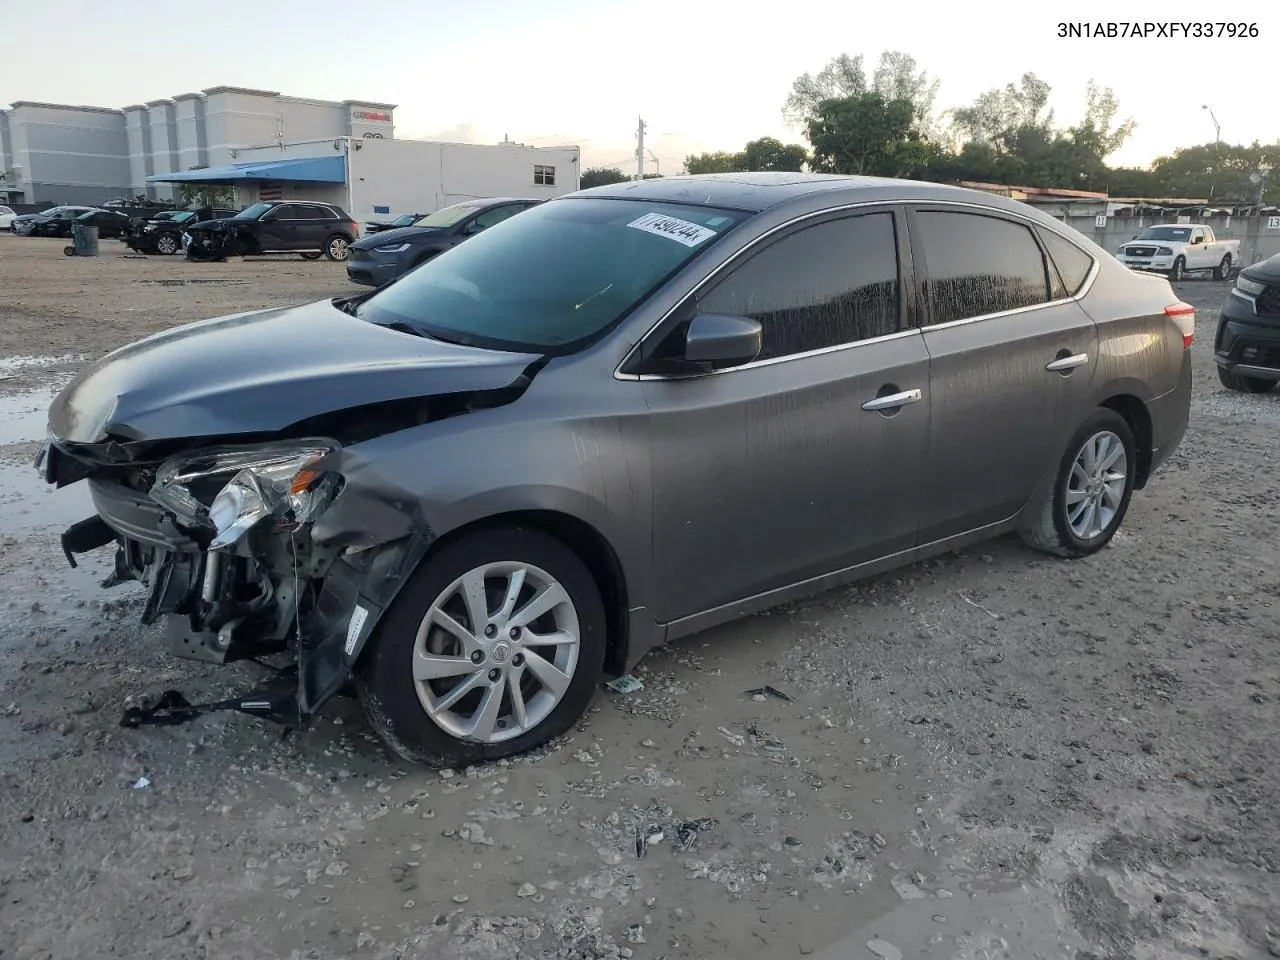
(261,372)
(398,235)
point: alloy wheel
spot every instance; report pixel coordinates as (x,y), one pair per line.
(496,652)
(1095,488)
(337,249)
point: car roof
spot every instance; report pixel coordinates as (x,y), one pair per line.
(756,192)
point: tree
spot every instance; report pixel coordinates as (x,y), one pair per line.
(1098,131)
(599,176)
(768,153)
(203,194)
(842,77)
(997,115)
(899,78)
(719,162)
(866,134)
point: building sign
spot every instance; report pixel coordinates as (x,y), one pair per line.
(1273,223)
(1100,221)
(1184,218)
(370,115)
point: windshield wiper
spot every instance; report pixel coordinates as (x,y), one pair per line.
(401,327)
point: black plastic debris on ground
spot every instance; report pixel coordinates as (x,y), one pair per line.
(770,691)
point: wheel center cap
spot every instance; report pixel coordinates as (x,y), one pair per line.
(501,652)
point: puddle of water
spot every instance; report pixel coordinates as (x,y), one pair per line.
(1013,924)
(12,366)
(25,416)
(29,505)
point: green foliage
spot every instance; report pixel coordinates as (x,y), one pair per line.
(600,176)
(205,194)
(767,153)
(866,134)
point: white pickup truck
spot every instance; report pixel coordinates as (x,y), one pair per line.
(1175,248)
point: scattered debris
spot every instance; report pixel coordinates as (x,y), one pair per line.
(761,692)
(732,737)
(974,603)
(884,949)
(142,783)
(626,684)
(687,832)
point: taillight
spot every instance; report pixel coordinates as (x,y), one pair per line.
(1184,315)
(355,231)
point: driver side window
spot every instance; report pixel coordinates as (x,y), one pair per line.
(491,218)
(822,286)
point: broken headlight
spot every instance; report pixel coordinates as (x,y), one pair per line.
(233,488)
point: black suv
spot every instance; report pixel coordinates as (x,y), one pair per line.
(1247,347)
(162,232)
(307,227)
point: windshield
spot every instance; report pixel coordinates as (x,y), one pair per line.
(450,215)
(553,277)
(1165,233)
(405,220)
(254,212)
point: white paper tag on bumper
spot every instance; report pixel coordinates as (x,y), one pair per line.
(358,617)
(673,228)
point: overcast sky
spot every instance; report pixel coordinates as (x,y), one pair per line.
(705,74)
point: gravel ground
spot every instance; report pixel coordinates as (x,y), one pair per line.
(990,755)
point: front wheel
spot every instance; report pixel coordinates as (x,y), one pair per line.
(1179,267)
(1223,269)
(335,248)
(493,647)
(167,244)
(1090,494)
(1243,384)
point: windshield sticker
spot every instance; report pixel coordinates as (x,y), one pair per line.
(681,231)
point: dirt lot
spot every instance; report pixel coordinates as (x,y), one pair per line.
(992,755)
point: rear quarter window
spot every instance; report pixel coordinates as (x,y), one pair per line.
(1072,263)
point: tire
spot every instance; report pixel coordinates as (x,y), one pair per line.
(167,244)
(1243,384)
(396,704)
(425,258)
(1057,526)
(69,251)
(1223,269)
(1179,268)
(311,255)
(335,248)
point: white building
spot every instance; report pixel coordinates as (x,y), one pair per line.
(374,178)
(53,152)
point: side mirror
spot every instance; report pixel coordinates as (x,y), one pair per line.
(718,340)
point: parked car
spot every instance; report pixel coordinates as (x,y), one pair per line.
(309,228)
(110,223)
(6,217)
(1175,248)
(54,222)
(404,220)
(627,415)
(390,254)
(162,232)
(1247,346)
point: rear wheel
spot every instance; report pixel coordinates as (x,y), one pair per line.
(1179,267)
(335,248)
(1223,269)
(493,647)
(1090,494)
(1243,384)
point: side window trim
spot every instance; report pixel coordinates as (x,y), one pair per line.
(1034,227)
(683,310)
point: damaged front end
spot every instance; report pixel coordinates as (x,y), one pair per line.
(222,540)
(219,239)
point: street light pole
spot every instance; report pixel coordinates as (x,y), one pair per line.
(1217,130)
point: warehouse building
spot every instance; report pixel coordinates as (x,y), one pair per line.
(52,152)
(379,178)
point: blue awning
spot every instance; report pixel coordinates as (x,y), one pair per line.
(304,169)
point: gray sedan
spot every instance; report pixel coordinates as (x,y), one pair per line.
(384,255)
(625,416)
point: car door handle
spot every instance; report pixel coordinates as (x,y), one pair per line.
(1068,363)
(893,400)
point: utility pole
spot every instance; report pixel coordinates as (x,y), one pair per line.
(640,148)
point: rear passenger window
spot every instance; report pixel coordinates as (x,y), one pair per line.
(822,286)
(1073,263)
(979,265)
